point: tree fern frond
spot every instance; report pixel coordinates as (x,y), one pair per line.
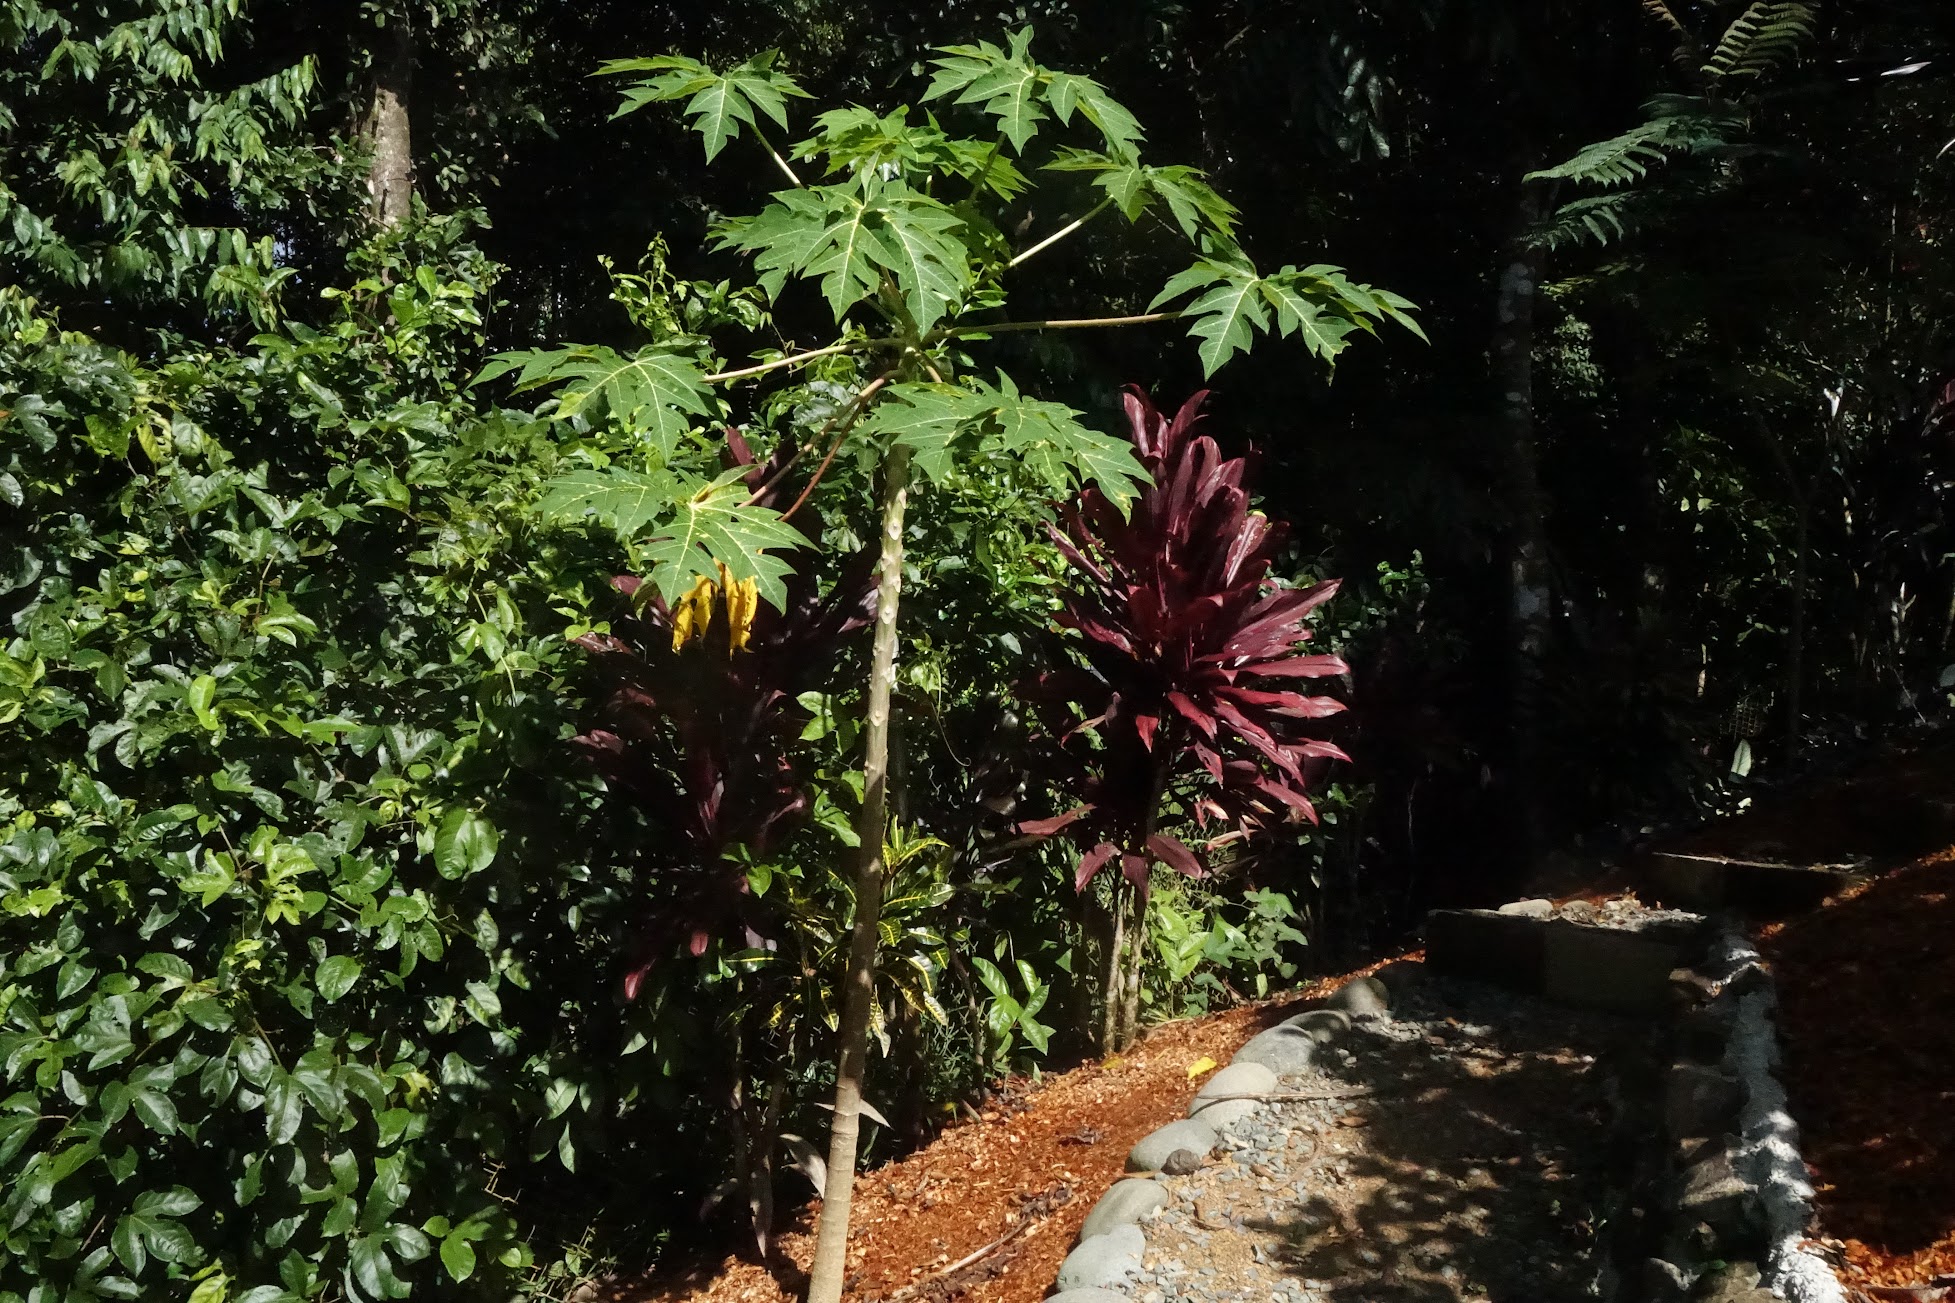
(1660,10)
(1766,36)
(1678,124)
(1598,219)
(1616,161)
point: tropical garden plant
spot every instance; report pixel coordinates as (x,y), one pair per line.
(1184,692)
(899,221)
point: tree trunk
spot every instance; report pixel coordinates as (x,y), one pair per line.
(1136,955)
(1793,684)
(1128,952)
(1527,561)
(1115,1034)
(859,992)
(390,175)
(1795,639)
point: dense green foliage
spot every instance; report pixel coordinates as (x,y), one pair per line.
(317,911)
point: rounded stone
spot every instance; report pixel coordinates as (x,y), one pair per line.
(1228,1114)
(1088,1296)
(1362,997)
(1283,1049)
(1322,1025)
(1181,1162)
(1126,1203)
(1235,1080)
(1154,1148)
(1401,975)
(1103,1260)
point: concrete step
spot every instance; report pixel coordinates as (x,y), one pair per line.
(1587,966)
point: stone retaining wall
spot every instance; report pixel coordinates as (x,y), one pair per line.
(1736,1201)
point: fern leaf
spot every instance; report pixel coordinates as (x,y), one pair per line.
(1660,11)
(1616,161)
(1678,124)
(1768,35)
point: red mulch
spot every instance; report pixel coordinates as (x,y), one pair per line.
(1867,994)
(1041,1152)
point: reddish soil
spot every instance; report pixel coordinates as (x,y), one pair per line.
(1040,1154)
(1867,996)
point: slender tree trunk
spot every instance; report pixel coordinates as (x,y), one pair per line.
(859,992)
(1115,969)
(1795,638)
(1793,684)
(1136,955)
(390,176)
(1129,949)
(1527,562)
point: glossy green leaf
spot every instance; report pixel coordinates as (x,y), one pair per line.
(465,843)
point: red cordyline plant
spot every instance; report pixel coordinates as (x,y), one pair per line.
(697,724)
(1192,662)
(698,729)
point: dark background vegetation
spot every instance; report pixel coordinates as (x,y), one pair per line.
(1724,493)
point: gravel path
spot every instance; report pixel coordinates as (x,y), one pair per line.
(1474,1155)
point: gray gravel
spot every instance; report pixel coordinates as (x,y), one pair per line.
(1471,1158)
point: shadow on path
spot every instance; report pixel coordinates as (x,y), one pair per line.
(1487,1158)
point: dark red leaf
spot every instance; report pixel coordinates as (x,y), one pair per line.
(1090,864)
(1300,667)
(1194,714)
(1294,705)
(1046,827)
(1176,855)
(1176,617)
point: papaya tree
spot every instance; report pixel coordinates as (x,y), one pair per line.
(897,219)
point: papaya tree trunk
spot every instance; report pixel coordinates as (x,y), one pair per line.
(390,174)
(859,989)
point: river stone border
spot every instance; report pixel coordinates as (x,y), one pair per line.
(1737,1199)
(1113,1238)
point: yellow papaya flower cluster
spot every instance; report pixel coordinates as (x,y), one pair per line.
(693,613)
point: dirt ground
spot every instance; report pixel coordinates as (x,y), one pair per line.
(1033,1164)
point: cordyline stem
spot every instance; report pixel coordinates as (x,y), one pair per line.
(1122,977)
(859,991)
